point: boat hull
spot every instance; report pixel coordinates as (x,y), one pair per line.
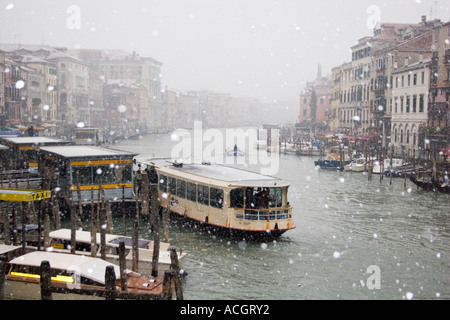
(226,232)
(27,290)
(430,185)
(329,164)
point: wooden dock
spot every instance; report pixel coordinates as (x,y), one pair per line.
(22,208)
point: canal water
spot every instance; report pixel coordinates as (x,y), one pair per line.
(354,239)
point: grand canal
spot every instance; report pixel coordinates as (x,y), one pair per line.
(354,239)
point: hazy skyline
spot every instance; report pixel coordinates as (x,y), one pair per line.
(253,48)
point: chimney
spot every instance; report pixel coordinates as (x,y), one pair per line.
(424,19)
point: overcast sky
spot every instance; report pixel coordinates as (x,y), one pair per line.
(265,49)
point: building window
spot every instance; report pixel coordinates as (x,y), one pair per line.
(414,101)
(421,103)
(407,104)
(415,79)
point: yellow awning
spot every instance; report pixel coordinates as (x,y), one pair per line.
(23,195)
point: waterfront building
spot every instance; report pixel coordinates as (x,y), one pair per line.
(369,93)
(437,130)
(73,90)
(44,107)
(410,85)
(335,98)
(357,103)
(315,102)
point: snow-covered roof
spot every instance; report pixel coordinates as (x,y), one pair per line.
(75,152)
(88,267)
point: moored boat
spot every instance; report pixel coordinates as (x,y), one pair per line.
(336,159)
(357,165)
(430,184)
(60,242)
(72,274)
(227,200)
(388,165)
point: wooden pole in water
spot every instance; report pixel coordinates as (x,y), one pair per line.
(154,211)
(55,209)
(45,281)
(110,283)
(145,194)
(122,266)
(2,278)
(46,227)
(135,248)
(123,212)
(93,227)
(22,213)
(14,225)
(6,224)
(175,267)
(73,225)
(166,213)
(108,216)
(102,233)
(80,206)
(167,284)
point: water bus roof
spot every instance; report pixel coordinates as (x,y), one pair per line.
(88,267)
(218,174)
(85,237)
(34,141)
(87,152)
(4,248)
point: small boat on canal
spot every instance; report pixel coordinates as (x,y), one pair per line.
(429,184)
(227,200)
(357,165)
(388,165)
(71,274)
(60,242)
(335,159)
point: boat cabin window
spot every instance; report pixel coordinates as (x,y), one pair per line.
(65,244)
(216,198)
(104,174)
(203,195)
(172,185)
(257,198)
(181,189)
(237,198)
(112,173)
(81,175)
(191,191)
(163,183)
(275,198)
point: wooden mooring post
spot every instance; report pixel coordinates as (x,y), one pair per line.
(135,247)
(2,278)
(175,268)
(154,213)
